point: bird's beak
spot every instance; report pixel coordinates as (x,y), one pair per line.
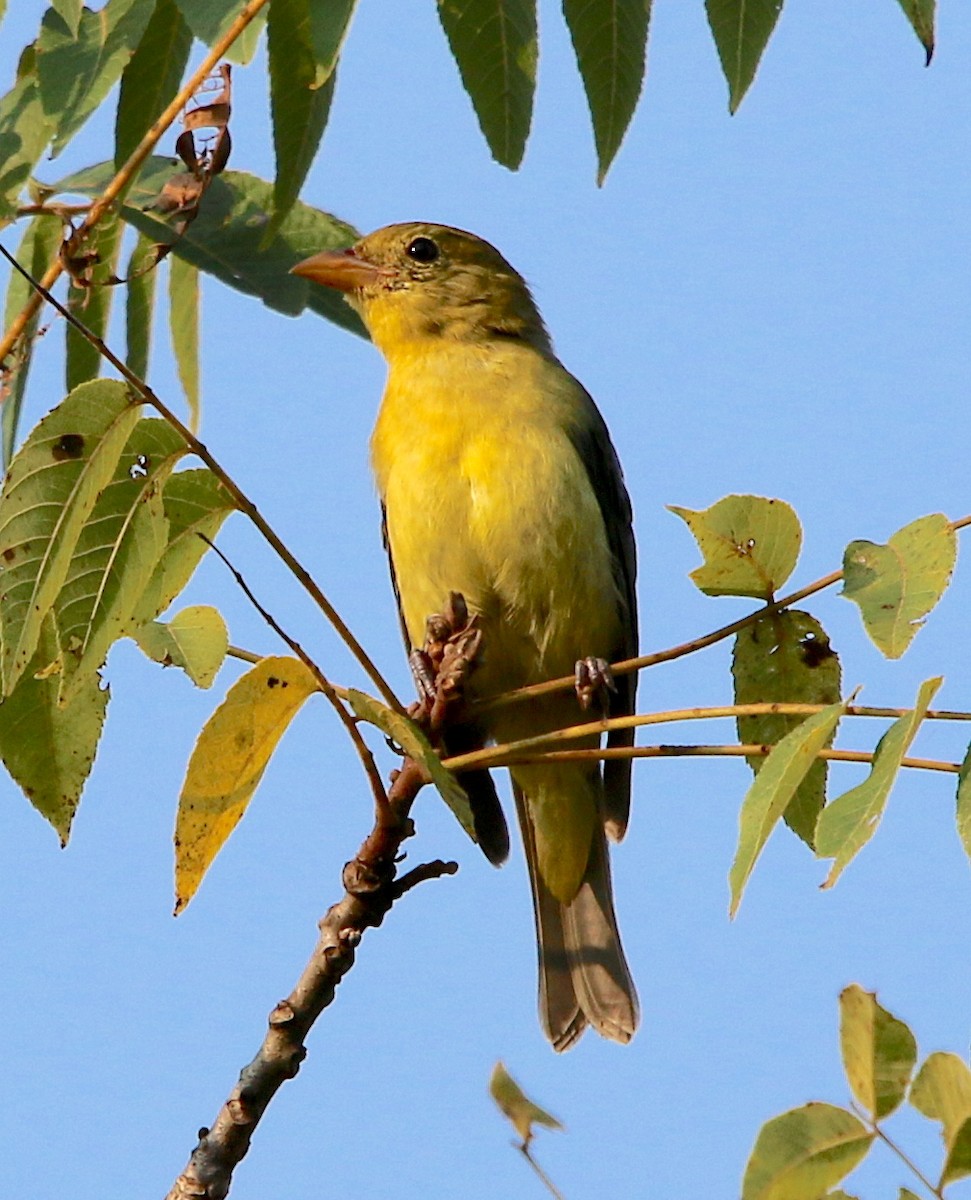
(340,269)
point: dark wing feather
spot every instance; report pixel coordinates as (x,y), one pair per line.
(592,442)
(491,830)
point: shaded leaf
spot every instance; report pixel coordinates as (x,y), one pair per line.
(116,554)
(879,1052)
(964,803)
(517,1106)
(225,240)
(610,40)
(300,97)
(36,252)
(49,748)
(750,545)
(786,658)
(766,800)
(898,584)
(195,503)
(78,68)
(958,1162)
(406,734)
(152,77)
(48,494)
(920,14)
(25,130)
(196,639)
(741,29)
(801,1153)
(209,20)
(139,306)
(848,823)
(184,326)
(228,762)
(495,44)
(92,304)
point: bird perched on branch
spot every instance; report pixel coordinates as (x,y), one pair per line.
(498,481)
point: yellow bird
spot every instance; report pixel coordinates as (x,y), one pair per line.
(498,480)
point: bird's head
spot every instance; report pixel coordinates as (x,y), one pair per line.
(416,281)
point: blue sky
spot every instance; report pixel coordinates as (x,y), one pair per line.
(773,303)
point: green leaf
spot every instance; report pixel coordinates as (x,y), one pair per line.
(610,40)
(225,240)
(36,252)
(786,658)
(785,768)
(116,553)
(209,20)
(920,14)
(49,748)
(196,639)
(301,92)
(750,545)
(25,131)
(741,29)
(195,503)
(228,762)
(517,1106)
(958,1162)
(70,13)
(907,1194)
(78,68)
(879,1052)
(942,1091)
(139,306)
(898,584)
(964,803)
(92,304)
(801,1153)
(405,733)
(495,44)
(329,25)
(848,823)
(152,77)
(48,495)
(184,327)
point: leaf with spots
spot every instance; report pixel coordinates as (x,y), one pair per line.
(847,824)
(406,734)
(786,658)
(195,639)
(48,495)
(116,553)
(496,46)
(896,585)
(750,545)
(47,747)
(804,1152)
(228,762)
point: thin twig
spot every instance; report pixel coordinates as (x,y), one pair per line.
(494,756)
(746,750)
(892,1145)
(523,1148)
(242,501)
(353,730)
(128,170)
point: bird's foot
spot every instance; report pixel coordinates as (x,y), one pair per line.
(594,681)
(440,668)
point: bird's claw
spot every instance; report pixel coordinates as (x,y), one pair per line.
(452,642)
(594,680)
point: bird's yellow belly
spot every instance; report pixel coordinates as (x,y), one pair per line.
(510,520)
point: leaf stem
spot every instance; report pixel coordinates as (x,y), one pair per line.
(902,1155)
(523,1148)
(127,171)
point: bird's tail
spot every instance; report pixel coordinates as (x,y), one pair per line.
(583,974)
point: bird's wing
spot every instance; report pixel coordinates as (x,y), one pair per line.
(592,442)
(385,541)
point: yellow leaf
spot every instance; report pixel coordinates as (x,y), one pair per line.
(228,763)
(517,1106)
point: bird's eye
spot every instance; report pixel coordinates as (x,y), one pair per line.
(422,249)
